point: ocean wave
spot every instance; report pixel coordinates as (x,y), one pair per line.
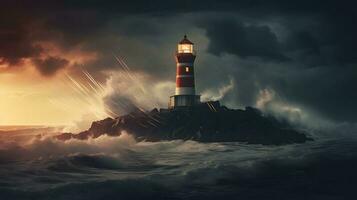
(120,167)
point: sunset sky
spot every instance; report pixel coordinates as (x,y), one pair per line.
(288,57)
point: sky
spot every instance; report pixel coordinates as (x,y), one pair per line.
(63,61)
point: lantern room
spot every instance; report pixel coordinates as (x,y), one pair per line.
(185,46)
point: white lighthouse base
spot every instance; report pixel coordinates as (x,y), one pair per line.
(183,101)
(185,91)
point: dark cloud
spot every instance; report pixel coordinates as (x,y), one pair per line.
(229,36)
(15,45)
(50,65)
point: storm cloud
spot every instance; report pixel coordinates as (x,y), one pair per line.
(50,65)
(243,40)
(303,51)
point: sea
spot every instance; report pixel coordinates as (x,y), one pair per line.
(34,165)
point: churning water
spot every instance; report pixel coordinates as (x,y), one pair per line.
(33,167)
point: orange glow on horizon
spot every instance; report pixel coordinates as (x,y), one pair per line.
(27,98)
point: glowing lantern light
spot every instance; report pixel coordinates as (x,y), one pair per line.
(185,46)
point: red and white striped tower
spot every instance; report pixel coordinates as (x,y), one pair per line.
(185,94)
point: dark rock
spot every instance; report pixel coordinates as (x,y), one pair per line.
(207,122)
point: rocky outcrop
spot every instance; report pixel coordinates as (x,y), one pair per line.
(207,122)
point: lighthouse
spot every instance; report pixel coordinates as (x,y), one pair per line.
(185,94)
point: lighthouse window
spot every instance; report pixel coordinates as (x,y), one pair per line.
(187,69)
(185,48)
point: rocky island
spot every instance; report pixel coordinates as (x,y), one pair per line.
(205,122)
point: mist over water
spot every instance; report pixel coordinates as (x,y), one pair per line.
(39,167)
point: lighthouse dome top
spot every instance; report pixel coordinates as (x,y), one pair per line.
(185,40)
